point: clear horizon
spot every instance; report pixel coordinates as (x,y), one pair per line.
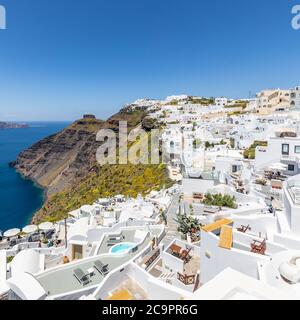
(62,59)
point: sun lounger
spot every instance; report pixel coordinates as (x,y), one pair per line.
(101,268)
(81,276)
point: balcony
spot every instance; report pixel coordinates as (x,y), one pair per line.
(293,188)
(187,280)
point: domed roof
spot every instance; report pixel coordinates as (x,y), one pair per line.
(26,261)
(26,287)
(290,270)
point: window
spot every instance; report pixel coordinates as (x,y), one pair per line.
(291,167)
(297,149)
(286,149)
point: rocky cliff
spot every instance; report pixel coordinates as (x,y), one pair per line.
(65,165)
(60,160)
(64,159)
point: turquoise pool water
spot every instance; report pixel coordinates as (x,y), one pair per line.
(122,247)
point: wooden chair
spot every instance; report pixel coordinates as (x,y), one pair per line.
(259,247)
(185,255)
(244,229)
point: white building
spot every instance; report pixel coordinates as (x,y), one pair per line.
(284,147)
(181,97)
(233,285)
(269,101)
(221,102)
(295,98)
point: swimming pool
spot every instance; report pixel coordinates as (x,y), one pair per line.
(122,247)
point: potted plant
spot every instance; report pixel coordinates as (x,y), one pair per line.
(186,225)
(44,243)
(163,216)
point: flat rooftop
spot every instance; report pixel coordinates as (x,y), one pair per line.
(62,280)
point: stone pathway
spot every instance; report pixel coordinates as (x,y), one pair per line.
(171,228)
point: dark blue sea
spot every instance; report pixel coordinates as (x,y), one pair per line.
(20,198)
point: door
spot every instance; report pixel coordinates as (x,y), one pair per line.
(77,252)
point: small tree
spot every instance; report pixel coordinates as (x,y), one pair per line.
(219,200)
(183,227)
(163,216)
(207,145)
(232,142)
(191,209)
(186,225)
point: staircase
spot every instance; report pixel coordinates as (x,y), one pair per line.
(4,296)
(167,276)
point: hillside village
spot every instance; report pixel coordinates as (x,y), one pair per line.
(219,220)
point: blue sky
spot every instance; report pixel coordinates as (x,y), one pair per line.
(62,58)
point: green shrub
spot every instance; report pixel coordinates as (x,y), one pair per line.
(129,180)
(9,259)
(250,152)
(220,200)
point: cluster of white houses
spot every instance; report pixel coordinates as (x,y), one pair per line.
(134,249)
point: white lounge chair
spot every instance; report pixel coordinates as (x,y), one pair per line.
(81,276)
(101,268)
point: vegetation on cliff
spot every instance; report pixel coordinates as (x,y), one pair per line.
(65,164)
(237,104)
(110,180)
(202,101)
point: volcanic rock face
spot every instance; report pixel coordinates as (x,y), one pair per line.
(62,160)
